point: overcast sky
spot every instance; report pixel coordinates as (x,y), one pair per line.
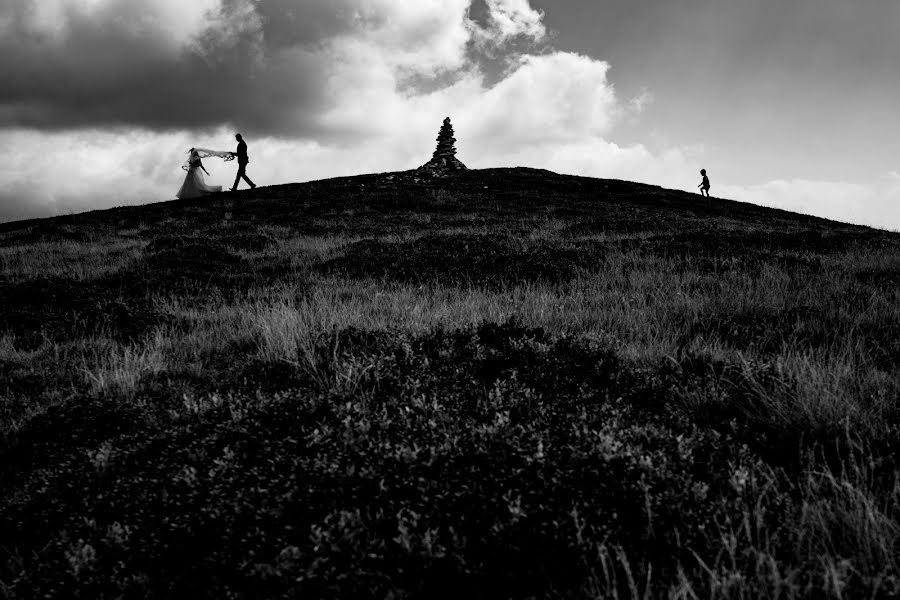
(788,103)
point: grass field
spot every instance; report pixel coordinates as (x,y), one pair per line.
(505,384)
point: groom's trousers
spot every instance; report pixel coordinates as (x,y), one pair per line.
(242,173)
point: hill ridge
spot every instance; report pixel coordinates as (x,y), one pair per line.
(466,181)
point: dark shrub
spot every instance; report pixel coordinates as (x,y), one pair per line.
(61,309)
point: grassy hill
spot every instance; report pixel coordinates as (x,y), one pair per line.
(505,384)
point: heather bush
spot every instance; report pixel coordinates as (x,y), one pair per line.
(495,461)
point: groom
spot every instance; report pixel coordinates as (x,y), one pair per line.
(242,163)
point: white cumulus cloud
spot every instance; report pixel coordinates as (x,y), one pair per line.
(509,19)
(102,98)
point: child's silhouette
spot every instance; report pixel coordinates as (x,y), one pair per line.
(704,185)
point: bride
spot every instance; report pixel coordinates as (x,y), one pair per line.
(194,184)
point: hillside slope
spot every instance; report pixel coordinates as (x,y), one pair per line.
(505,384)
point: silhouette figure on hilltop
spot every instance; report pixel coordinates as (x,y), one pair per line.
(704,185)
(242,159)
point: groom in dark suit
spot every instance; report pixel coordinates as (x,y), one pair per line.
(242,159)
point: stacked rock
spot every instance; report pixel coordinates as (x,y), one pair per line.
(444,157)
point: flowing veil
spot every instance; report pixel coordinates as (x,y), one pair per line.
(205,153)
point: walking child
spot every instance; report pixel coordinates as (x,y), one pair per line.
(704,185)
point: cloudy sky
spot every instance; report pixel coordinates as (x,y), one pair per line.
(788,103)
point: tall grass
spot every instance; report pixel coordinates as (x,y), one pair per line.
(118,369)
(78,261)
(651,307)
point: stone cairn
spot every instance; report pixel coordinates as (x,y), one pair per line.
(444,158)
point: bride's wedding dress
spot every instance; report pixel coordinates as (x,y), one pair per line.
(195,184)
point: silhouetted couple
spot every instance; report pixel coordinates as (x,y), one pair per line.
(195,184)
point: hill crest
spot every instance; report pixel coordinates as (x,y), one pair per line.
(403,190)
